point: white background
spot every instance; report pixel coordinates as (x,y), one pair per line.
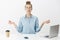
(43,9)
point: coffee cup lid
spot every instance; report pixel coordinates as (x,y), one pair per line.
(7,30)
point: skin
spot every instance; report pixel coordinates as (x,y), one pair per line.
(28,10)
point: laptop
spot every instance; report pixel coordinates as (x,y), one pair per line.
(53,31)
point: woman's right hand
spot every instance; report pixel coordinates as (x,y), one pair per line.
(10,22)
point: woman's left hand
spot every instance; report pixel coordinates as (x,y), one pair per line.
(47,21)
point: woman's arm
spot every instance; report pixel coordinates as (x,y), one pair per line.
(45,22)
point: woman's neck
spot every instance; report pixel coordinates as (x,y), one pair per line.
(28,15)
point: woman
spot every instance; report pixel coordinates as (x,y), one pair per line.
(28,24)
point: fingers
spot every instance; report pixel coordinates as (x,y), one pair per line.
(10,22)
(48,21)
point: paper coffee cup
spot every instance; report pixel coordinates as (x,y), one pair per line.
(7,33)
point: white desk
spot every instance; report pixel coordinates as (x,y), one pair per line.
(21,37)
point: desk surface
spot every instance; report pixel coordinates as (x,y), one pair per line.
(21,37)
